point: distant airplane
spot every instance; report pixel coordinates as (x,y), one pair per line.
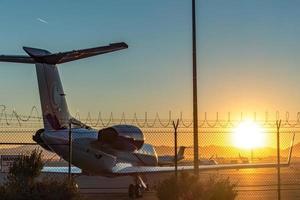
(243,159)
(118,150)
(240,159)
(210,161)
(170,160)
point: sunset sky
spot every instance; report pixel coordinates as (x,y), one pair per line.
(248,54)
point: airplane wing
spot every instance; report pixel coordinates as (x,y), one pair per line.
(118,170)
(123,169)
(63,170)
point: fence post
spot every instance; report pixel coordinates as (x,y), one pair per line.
(70,150)
(175,126)
(278,123)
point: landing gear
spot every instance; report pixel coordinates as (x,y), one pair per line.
(131,191)
(136,190)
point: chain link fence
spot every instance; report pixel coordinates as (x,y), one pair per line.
(216,140)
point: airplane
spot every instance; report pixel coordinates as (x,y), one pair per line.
(207,161)
(170,160)
(118,150)
(210,161)
(243,159)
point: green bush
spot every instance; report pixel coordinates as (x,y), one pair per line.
(50,189)
(21,182)
(189,187)
(25,170)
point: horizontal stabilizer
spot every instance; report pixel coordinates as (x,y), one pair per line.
(42,56)
(16,59)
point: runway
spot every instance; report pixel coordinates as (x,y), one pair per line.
(253,184)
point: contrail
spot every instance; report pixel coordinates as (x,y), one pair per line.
(42,20)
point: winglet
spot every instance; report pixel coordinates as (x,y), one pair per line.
(35,52)
(180,154)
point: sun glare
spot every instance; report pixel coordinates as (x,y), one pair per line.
(248,135)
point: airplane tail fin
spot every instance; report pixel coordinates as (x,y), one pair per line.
(54,105)
(211,157)
(53,102)
(180,154)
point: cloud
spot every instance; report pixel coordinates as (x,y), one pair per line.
(42,20)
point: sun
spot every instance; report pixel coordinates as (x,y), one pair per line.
(248,135)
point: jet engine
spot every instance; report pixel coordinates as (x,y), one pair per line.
(37,138)
(122,137)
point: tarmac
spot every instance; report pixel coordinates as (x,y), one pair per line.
(253,184)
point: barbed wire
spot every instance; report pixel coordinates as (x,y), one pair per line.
(20,118)
(34,117)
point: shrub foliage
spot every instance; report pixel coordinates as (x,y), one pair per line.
(189,187)
(22,183)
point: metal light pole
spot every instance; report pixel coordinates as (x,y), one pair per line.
(195,103)
(278,123)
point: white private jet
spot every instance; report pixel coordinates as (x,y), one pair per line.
(208,161)
(170,160)
(118,150)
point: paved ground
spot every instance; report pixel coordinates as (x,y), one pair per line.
(254,184)
(118,196)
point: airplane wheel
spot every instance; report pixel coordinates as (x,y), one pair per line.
(147,188)
(138,191)
(131,191)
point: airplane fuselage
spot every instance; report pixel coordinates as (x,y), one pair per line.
(92,156)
